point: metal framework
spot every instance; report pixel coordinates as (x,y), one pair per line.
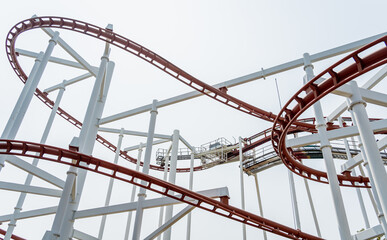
(291,140)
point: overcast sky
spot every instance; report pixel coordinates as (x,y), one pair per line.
(214,41)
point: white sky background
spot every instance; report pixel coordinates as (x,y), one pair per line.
(214,41)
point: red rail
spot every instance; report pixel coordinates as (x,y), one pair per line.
(315,92)
(64,156)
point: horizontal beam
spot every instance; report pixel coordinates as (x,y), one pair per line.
(149,203)
(186,143)
(29,214)
(72,52)
(335,134)
(372,82)
(82,236)
(30,189)
(358,159)
(371,233)
(170,222)
(136,147)
(247,78)
(66,83)
(134,133)
(61,61)
(37,172)
(369,96)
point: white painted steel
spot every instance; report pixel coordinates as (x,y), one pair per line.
(66,83)
(353,173)
(369,96)
(30,189)
(134,133)
(132,196)
(161,141)
(165,177)
(259,202)
(145,170)
(242,184)
(170,222)
(247,78)
(371,151)
(342,221)
(83,236)
(191,166)
(172,179)
(111,182)
(29,214)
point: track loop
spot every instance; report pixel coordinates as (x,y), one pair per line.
(314,92)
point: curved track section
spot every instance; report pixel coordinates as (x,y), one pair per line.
(63,156)
(313,92)
(137,50)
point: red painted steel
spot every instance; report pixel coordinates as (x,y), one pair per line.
(313,92)
(3,232)
(64,156)
(139,51)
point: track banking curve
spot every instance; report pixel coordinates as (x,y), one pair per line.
(137,50)
(312,92)
(68,157)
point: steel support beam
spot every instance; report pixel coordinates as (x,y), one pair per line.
(134,133)
(30,189)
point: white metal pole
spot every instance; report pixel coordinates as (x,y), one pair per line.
(25,97)
(293,195)
(111,182)
(145,170)
(172,179)
(242,184)
(259,202)
(353,173)
(166,164)
(369,147)
(86,141)
(345,233)
(312,207)
(190,188)
(22,197)
(134,187)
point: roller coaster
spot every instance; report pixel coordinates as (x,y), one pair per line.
(358,140)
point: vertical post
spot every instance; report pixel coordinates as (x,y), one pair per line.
(22,197)
(342,221)
(359,196)
(111,182)
(312,207)
(69,204)
(172,179)
(145,170)
(165,177)
(259,202)
(190,188)
(26,95)
(242,184)
(129,220)
(293,195)
(370,151)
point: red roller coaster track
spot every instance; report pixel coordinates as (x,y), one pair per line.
(314,92)
(283,123)
(63,156)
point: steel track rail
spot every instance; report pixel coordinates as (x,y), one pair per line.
(137,50)
(313,92)
(68,157)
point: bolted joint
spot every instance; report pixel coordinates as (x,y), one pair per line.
(54,38)
(72,172)
(318,125)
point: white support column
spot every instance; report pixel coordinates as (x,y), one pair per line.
(293,196)
(111,182)
(371,152)
(312,207)
(26,95)
(259,202)
(145,170)
(63,222)
(242,184)
(172,179)
(165,177)
(188,235)
(342,221)
(22,197)
(134,187)
(353,173)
